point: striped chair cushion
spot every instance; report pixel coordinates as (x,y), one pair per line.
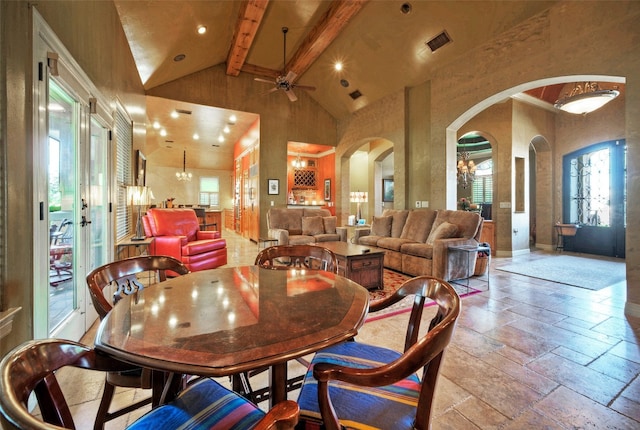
(389,407)
(203,405)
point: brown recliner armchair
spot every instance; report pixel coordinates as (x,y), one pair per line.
(176,233)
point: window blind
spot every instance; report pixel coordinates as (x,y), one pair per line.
(124,149)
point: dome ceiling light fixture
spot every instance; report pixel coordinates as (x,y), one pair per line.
(585,98)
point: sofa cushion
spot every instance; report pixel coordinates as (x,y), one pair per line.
(301,239)
(327,237)
(467,222)
(330,223)
(173,222)
(443,231)
(418,249)
(286,219)
(369,240)
(312,225)
(399,218)
(312,212)
(197,247)
(392,243)
(418,225)
(381,226)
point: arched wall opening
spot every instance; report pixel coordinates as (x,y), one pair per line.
(369,172)
(512,149)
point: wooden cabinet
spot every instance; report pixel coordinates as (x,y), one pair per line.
(489,235)
(228,219)
(366,269)
(213,220)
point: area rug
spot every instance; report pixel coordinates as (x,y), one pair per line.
(584,272)
(392,281)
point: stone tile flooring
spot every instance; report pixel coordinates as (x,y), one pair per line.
(526,354)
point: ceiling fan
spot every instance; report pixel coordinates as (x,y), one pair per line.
(285,82)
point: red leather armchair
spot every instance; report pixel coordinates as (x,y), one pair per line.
(177,233)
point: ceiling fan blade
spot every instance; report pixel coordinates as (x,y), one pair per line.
(263,80)
(290,76)
(291,95)
(272,90)
(305,87)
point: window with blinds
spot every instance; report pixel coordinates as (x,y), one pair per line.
(209,191)
(124,149)
(482,190)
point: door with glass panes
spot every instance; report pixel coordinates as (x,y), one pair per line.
(71,189)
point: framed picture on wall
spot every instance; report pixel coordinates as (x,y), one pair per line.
(327,189)
(387,190)
(274,186)
(141,169)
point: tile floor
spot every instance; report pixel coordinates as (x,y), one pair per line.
(526,354)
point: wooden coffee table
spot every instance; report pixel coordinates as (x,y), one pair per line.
(361,264)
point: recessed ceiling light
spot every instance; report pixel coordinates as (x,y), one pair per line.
(337,66)
(344,83)
(221,138)
(232,119)
(179,57)
(174,114)
(226,129)
(163,132)
(156,125)
(202,29)
(196,136)
(406,8)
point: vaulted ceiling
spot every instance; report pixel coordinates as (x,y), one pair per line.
(382,44)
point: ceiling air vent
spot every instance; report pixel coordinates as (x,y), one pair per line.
(439,41)
(355,94)
(186,112)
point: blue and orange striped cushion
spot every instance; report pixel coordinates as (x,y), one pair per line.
(365,408)
(203,405)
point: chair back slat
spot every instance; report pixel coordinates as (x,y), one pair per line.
(120,276)
(298,256)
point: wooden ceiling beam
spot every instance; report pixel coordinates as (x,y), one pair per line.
(249,20)
(260,71)
(320,37)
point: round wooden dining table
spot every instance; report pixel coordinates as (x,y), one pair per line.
(229,320)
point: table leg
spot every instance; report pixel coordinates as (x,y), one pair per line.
(278,383)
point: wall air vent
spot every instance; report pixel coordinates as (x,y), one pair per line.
(355,94)
(186,112)
(439,41)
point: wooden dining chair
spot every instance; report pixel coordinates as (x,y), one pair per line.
(297,256)
(107,284)
(285,257)
(32,366)
(358,385)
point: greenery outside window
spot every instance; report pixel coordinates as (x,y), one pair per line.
(209,191)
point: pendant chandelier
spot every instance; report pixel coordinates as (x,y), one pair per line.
(466,169)
(585,98)
(184,176)
(298,163)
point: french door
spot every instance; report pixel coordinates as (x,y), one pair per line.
(71,189)
(595,197)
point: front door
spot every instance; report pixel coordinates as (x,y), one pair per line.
(595,197)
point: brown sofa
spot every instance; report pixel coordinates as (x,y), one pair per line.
(301,226)
(417,241)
